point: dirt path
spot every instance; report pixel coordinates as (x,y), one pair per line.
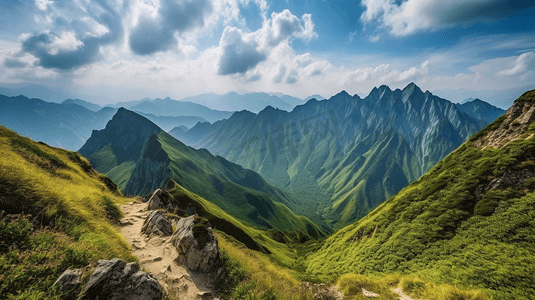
(402,296)
(157,256)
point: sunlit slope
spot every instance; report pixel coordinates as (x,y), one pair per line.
(255,239)
(68,213)
(468,221)
(140,157)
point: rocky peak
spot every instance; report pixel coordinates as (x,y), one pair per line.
(511,126)
(126,131)
(412,92)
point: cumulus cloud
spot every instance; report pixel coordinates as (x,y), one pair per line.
(385,75)
(406,17)
(523,63)
(241,52)
(64,49)
(158,33)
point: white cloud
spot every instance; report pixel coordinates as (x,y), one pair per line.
(383,74)
(241,52)
(401,18)
(42,4)
(523,63)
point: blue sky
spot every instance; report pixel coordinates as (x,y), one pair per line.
(181,47)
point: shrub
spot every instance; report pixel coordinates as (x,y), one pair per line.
(112,211)
(75,258)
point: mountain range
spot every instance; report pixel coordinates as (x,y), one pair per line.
(60,125)
(340,158)
(462,230)
(253,102)
(468,221)
(140,157)
(69,124)
(174,108)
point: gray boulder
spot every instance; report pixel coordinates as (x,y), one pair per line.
(197,246)
(69,280)
(116,280)
(160,199)
(158,223)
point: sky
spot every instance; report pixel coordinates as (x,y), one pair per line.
(181,48)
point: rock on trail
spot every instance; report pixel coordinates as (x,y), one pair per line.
(158,256)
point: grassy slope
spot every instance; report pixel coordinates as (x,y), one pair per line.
(279,252)
(68,222)
(439,229)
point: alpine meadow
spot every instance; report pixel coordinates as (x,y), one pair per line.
(267,150)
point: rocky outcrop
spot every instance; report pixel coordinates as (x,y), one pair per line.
(158,223)
(515,123)
(197,246)
(69,280)
(160,199)
(115,279)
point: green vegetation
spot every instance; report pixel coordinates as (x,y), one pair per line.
(66,221)
(341,158)
(154,156)
(468,222)
(254,276)
(232,228)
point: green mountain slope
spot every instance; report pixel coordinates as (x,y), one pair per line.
(469,221)
(140,157)
(57,213)
(342,157)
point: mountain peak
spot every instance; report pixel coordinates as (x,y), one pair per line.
(412,87)
(343,93)
(127,129)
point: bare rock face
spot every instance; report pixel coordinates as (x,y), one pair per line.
(160,199)
(69,280)
(514,125)
(197,246)
(158,223)
(116,280)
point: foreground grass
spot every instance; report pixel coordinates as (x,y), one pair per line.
(257,277)
(67,221)
(351,286)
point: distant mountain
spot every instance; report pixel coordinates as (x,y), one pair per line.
(178,132)
(343,156)
(59,125)
(174,108)
(253,102)
(316,96)
(469,99)
(481,110)
(128,104)
(67,125)
(294,101)
(88,105)
(500,98)
(468,221)
(140,157)
(33,90)
(167,123)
